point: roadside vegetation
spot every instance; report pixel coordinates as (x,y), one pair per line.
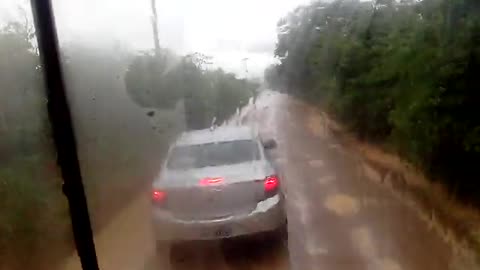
(30,198)
(126,106)
(403,74)
(164,80)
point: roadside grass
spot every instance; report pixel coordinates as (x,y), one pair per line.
(456,222)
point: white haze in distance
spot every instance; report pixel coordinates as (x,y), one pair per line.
(228,30)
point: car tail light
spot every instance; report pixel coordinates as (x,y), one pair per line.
(158,196)
(211,181)
(271,184)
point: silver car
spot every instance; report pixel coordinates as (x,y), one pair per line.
(217,183)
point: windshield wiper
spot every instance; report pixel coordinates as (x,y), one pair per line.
(62,131)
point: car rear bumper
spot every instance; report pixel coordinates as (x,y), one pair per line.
(267,216)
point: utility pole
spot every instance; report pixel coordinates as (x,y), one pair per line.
(155,28)
(246,67)
(254,93)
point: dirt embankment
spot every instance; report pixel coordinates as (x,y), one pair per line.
(456,222)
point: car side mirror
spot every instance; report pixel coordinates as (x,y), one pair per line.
(269,144)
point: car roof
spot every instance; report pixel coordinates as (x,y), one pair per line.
(219,134)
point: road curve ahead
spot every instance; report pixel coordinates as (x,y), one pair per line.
(337,218)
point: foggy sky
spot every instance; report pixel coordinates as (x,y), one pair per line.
(228,30)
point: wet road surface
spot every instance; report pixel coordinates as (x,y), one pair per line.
(338,219)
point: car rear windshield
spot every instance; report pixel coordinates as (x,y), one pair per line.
(213,154)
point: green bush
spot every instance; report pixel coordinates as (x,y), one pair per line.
(34,212)
(163,81)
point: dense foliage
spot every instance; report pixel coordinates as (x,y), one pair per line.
(24,152)
(165,80)
(403,73)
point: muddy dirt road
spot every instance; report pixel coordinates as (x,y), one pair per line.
(338,219)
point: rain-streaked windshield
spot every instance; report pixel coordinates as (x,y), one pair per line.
(213,154)
(357,121)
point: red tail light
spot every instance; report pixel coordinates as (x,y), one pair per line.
(271,183)
(158,196)
(211,181)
